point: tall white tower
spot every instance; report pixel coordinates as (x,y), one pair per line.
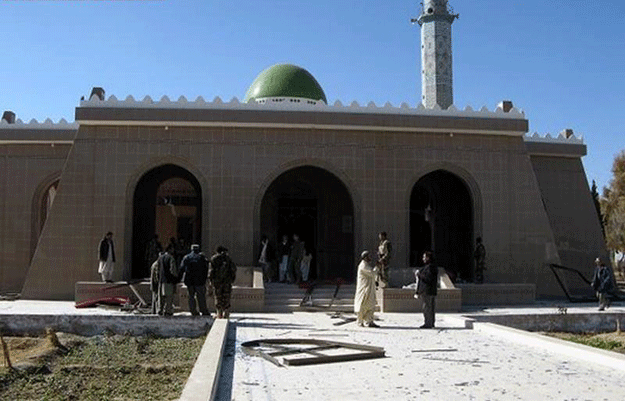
(436,74)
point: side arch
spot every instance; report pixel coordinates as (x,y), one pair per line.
(445,215)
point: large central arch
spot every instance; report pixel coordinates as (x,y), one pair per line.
(316,205)
(442,220)
(168,202)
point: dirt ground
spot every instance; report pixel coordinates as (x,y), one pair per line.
(613,341)
(96,368)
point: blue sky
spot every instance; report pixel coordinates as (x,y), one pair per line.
(561,61)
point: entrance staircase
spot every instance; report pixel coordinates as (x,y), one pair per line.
(285,298)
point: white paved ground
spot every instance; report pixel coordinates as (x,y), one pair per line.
(461,364)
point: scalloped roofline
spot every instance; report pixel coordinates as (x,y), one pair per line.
(34,124)
(336,107)
(573,139)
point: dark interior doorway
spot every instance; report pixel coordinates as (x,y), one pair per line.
(167,202)
(316,205)
(441,220)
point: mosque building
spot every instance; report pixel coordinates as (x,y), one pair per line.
(284,161)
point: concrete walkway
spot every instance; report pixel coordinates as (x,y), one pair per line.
(450,362)
(488,362)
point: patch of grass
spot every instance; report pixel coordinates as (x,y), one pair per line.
(607,341)
(596,342)
(106,368)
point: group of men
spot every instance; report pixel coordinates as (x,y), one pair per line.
(195,270)
(289,263)
(371,276)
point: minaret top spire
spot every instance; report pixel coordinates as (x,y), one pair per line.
(436,10)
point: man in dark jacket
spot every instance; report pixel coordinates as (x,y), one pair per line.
(195,268)
(602,283)
(169,275)
(427,287)
(222,274)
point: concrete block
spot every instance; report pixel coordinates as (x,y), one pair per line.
(402,300)
(498,294)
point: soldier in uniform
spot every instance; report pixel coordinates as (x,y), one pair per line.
(169,273)
(195,268)
(222,273)
(384,258)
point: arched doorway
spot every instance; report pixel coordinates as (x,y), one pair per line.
(441,220)
(167,202)
(316,205)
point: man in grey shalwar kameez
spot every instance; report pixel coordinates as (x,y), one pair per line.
(364,301)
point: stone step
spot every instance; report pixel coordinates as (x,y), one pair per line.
(288,297)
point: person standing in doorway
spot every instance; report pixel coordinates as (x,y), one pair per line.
(222,273)
(295,260)
(106,252)
(152,250)
(480,259)
(384,258)
(427,288)
(155,285)
(169,274)
(265,259)
(195,268)
(284,248)
(364,301)
(602,283)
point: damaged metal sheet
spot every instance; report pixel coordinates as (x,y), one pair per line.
(309,351)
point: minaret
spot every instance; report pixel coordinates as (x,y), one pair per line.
(436,74)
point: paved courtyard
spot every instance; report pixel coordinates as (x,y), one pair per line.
(447,363)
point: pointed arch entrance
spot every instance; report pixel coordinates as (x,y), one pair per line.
(316,205)
(167,202)
(442,220)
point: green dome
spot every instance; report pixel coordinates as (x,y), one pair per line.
(285,80)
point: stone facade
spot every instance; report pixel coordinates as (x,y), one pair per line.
(236,151)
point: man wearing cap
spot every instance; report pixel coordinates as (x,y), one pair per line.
(195,268)
(364,301)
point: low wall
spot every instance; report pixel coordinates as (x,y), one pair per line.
(448,299)
(402,300)
(498,294)
(85,290)
(91,325)
(565,322)
(248,292)
(248,298)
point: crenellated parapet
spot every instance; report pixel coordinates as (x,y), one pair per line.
(566,144)
(560,138)
(62,124)
(294,104)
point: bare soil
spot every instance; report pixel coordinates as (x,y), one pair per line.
(97,368)
(613,341)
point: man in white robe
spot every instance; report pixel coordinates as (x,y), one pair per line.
(106,252)
(364,301)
